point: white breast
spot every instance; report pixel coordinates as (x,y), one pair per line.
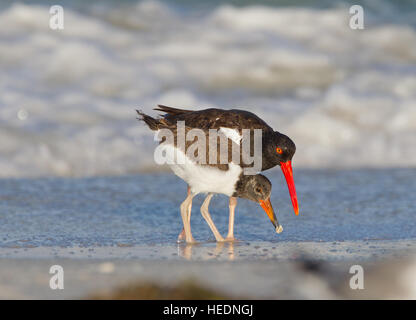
(203,178)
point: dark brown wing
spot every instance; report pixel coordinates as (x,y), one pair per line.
(215,118)
(205,120)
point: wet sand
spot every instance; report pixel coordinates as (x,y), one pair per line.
(239,251)
(300,270)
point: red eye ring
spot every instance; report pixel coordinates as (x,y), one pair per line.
(279,151)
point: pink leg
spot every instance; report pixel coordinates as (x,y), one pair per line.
(232,205)
(207,217)
(185,213)
(181,236)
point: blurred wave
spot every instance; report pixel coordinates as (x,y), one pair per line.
(346,97)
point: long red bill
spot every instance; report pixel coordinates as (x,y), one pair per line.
(288,172)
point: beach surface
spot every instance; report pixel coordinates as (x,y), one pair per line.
(107,232)
(251,270)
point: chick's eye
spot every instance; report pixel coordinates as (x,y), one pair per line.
(258,190)
(279,151)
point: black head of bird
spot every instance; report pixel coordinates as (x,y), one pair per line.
(279,151)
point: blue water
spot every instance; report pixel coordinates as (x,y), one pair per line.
(144,209)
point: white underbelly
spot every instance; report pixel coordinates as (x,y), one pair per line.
(203,178)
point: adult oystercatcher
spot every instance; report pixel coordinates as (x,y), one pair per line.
(277,149)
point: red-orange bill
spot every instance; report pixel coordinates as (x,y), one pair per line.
(267,206)
(288,172)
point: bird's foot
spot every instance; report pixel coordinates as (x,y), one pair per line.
(220,239)
(181,237)
(191,241)
(183,241)
(230,239)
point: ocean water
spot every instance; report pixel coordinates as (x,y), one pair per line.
(335,205)
(346,97)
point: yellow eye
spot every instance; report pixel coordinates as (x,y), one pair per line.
(279,151)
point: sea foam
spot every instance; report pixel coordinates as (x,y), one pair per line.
(68,97)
